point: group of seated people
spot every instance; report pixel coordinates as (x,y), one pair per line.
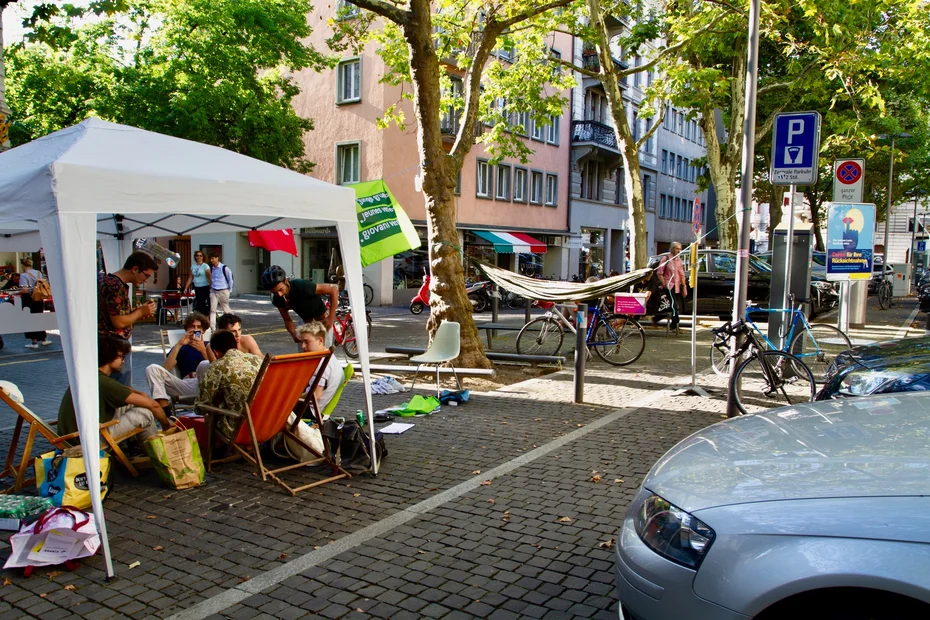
(217,372)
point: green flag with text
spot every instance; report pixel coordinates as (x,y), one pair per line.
(383,228)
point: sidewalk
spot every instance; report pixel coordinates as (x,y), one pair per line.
(504,507)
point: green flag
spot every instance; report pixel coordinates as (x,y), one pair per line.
(383,228)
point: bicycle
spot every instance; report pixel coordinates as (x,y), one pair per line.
(885,299)
(815,344)
(765,376)
(617,339)
(344,328)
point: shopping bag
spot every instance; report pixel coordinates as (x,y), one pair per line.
(286,447)
(58,536)
(60,476)
(176,457)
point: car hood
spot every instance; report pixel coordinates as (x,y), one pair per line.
(862,447)
(882,355)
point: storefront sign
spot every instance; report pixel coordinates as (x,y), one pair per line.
(573,242)
(850,237)
(383,228)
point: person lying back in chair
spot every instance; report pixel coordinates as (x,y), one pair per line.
(132,408)
(312,336)
(229,379)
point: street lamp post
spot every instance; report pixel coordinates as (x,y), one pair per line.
(888,207)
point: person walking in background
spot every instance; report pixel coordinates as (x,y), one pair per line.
(200,278)
(115,315)
(27,282)
(220,288)
(672,274)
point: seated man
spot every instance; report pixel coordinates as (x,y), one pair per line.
(233,323)
(132,408)
(186,355)
(312,336)
(228,381)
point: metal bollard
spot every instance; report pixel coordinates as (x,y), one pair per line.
(495,306)
(581,323)
(529,305)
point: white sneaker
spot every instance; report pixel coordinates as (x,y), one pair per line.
(32,346)
(46,342)
(397,385)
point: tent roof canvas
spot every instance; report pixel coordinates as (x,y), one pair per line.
(106,168)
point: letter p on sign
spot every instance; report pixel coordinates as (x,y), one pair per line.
(795,128)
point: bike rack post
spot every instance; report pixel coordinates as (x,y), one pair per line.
(526,315)
(581,323)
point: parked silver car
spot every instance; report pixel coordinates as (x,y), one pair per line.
(819,510)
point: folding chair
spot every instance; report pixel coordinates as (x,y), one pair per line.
(347,374)
(444,348)
(277,389)
(58,441)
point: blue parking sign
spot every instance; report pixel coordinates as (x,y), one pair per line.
(795,148)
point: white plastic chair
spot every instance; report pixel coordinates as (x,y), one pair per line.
(444,348)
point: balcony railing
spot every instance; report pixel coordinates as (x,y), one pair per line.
(592,131)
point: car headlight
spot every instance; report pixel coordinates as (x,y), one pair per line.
(673,533)
(865,383)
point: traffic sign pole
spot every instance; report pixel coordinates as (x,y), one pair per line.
(746,174)
(783,333)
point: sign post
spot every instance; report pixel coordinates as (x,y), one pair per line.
(697,215)
(795,157)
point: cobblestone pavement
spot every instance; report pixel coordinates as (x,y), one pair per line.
(504,507)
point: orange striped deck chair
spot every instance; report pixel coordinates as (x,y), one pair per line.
(280,382)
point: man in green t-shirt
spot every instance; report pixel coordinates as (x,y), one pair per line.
(132,408)
(303,297)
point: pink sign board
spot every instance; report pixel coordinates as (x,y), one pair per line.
(630,303)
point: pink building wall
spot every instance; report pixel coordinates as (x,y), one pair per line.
(392,154)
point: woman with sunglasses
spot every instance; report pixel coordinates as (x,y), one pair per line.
(200,277)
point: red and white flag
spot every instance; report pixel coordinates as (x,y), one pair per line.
(274,240)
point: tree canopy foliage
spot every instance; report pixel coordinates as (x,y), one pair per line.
(213,71)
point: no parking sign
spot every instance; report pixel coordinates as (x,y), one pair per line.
(848,175)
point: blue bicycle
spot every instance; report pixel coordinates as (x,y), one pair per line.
(815,344)
(617,339)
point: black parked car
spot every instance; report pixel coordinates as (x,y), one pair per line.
(717,274)
(893,366)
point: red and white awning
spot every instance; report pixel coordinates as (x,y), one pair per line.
(512,243)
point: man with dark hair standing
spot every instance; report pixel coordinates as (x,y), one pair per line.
(132,408)
(303,297)
(228,381)
(220,287)
(232,323)
(115,315)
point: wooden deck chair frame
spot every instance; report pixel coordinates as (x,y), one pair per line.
(24,415)
(245,443)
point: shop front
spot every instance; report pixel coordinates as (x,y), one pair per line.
(518,252)
(591,256)
(319,253)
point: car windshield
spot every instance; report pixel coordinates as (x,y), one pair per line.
(760,265)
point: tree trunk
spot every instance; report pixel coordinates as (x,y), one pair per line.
(448,299)
(4,107)
(633,184)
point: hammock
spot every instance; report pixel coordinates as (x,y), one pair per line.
(558,290)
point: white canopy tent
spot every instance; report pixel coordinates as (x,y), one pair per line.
(100,180)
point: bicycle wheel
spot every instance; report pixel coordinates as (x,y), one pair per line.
(817,346)
(771,379)
(719,355)
(618,340)
(350,340)
(884,295)
(541,336)
(369,294)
